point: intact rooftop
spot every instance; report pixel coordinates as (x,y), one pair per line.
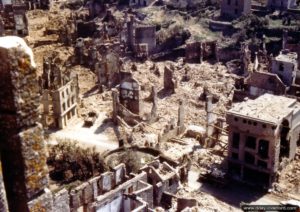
(266,108)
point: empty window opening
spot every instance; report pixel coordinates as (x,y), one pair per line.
(236,2)
(284,141)
(256,177)
(69,115)
(281,68)
(234,169)
(262,164)
(235,156)
(235,140)
(171,182)
(263,148)
(235,11)
(229,2)
(64,107)
(249,158)
(251,142)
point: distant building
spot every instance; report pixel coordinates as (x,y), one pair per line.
(60,95)
(261,133)
(235,8)
(140,3)
(285,65)
(257,84)
(281,4)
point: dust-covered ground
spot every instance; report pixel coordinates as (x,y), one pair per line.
(214,76)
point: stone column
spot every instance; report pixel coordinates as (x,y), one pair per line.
(181,114)
(284,39)
(264,45)
(115,99)
(201,52)
(130,33)
(210,117)
(216,50)
(154,106)
(23,149)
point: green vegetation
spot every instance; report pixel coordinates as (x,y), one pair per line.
(68,162)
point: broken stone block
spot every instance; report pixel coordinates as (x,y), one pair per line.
(169,81)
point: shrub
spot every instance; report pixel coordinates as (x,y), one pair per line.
(69,162)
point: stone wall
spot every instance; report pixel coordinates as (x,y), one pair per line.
(23,148)
(235,8)
(146,34)
(61,201)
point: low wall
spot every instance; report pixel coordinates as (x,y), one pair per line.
(89,192)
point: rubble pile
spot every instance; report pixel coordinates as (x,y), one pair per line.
(289,182)
(206,201)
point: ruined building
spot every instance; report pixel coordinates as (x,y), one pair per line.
(108,70)
(59,95)
(285,65)
(257,84)
(24,150)
(281,4)
(235,8)
(126,101)
(261,133)
(14,19)
(139,3)
(197,52)
(139,38)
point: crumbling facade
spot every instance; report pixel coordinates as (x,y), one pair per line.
(14,19)
(261,133)
(108,70)
(199,51)
(285,65)
(257,84)
(235,8)
(60,94)
(163,177)
(281,4)
(139,38)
